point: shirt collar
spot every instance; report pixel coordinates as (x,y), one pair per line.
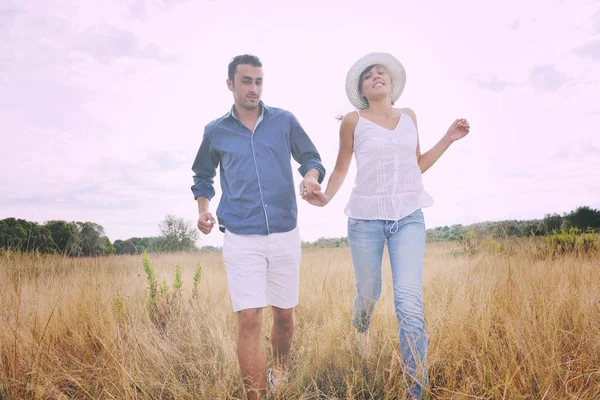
(263,109)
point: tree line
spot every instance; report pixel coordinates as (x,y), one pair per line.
(89,239)
(583,218)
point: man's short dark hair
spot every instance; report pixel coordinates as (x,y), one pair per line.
(243,59)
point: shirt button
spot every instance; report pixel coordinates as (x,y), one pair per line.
(265,205)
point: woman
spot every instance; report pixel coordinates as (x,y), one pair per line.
(385,204)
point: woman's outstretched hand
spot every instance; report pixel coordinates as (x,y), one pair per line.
(458,130)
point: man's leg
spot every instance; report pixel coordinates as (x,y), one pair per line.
(282,333)
(251,352)
(246,268)
(283,273)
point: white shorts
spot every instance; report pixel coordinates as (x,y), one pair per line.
(262,270)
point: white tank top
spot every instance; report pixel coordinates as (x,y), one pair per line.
(388,182)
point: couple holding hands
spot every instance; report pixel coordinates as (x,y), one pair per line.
(252,146)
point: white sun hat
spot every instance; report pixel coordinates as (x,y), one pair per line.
(394,68)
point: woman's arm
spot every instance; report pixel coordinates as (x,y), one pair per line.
(459,129)
(336,179)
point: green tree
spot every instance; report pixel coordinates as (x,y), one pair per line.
(118,246)
(177,235)
(107,246)
(127,246)
(65,237)
(583,218)
(92,238)
(135,245)
(22,235)
(552,222)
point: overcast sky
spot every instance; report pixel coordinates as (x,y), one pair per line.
(103,103)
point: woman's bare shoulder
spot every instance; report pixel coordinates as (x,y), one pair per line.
(410,113)
(350,119)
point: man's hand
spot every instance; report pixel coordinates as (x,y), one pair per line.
(206,222)
(309,186)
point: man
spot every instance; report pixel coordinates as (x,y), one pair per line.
(252,145)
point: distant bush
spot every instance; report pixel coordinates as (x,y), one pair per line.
(569,242)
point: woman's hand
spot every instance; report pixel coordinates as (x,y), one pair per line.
(318,199)
(458,130)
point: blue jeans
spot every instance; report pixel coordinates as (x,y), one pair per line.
(406,246)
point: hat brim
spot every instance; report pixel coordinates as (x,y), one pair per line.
(394,68)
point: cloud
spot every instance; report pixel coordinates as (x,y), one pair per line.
(546,78)
(52,39)
(563,154)
(575,152)
(108,43)
(137,10)
(590,49)
(20,100)
(9,11)
(144,10)
(516,24)
(55,73)
(168,161)
(515,174)
(492,83)
(592,150)
(113,183)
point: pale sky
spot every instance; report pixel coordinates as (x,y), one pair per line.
(103,103)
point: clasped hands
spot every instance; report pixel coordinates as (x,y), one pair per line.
(310,190)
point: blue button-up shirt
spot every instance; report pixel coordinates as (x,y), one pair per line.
(259,196)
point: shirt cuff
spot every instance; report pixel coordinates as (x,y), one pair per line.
(303,169)
(203,191)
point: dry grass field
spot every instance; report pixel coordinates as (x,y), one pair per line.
(504,323)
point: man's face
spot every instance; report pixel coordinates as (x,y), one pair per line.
(247,86)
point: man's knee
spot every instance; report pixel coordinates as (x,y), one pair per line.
(283,318)
(250,320)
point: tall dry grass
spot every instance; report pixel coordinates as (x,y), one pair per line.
(502,324)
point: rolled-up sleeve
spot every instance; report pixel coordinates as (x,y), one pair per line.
(304,151)
(205,168)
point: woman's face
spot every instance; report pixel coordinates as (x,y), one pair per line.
(375,83)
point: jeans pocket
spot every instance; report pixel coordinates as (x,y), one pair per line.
(418,215)
(355,222)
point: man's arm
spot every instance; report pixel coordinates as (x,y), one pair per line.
(306,154)
(203,204)
(304,151)
(313,173)
(204,168)
(206,221)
